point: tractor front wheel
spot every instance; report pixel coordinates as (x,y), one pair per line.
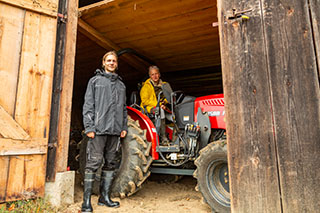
(212,176)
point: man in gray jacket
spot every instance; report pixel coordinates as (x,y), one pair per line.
(105,119)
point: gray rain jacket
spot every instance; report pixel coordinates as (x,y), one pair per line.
(104,109)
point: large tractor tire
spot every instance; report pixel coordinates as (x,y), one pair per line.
(135,161)
(134,165)
(212,176)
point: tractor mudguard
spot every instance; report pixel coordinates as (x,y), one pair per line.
(146,124)
(205,127)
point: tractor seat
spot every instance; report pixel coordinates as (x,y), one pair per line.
(134,98)
(135,101)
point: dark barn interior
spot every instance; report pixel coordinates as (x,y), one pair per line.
(180,37)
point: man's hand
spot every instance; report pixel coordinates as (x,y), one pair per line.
(90,134)
(163,107)
(123,134)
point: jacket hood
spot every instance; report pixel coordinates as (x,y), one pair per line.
(111,76)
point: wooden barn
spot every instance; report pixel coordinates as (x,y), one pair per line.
(264,55)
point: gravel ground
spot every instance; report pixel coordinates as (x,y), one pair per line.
(155,196)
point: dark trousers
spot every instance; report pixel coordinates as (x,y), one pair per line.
(99,148)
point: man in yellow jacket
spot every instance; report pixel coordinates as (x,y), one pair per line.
(149,94)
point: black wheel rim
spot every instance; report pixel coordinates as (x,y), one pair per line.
(218,181)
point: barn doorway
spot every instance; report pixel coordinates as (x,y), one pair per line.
(180,37)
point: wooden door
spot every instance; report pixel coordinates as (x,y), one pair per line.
(270,65)
(27,49)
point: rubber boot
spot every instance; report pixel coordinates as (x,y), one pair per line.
(105,190)
(87,191)
(163,135)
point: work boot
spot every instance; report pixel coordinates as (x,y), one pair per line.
(105,190)
(87,191)
(163,135)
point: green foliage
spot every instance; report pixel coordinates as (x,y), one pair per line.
(37,205)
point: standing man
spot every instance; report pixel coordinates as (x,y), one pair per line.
(105,119)
(149,94)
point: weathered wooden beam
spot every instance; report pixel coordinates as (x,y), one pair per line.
(45,7)
(295,100)
(168,27)
(32,110)
(9,128)
(253,171)
(56,94)
(15,183)
(272,96)
(315,17)
(94,5)
(4,162)
(25,179)
(23,147)
(133,13)
(98,38)
(10,50)
(67,87)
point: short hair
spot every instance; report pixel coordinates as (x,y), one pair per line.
(112,52)
(154,67)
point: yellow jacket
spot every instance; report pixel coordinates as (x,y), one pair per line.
(148,96)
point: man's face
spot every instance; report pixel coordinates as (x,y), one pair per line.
(154,75)
(110,63)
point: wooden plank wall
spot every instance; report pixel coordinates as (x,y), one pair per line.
(27,46)
(251,153)
(315,17)
(11,31)
(296,109)
(271,87)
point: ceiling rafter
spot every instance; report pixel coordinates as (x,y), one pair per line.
(94,5)
(107,44)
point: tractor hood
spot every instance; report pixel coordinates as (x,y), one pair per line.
(214,106)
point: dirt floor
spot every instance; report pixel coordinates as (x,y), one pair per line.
(156,196)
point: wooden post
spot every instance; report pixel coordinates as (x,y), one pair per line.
(67,87)
(56,90)
(58,153)
(271,87)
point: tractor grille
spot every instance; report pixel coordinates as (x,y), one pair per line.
(216,102)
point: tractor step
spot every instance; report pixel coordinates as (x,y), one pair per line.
(168,148)
(172,171)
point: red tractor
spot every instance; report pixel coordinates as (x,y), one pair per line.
(197,146)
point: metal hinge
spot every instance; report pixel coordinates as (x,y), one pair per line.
(239,14)
(62,18)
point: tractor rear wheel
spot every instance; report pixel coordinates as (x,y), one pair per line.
(135,161)
(134,165)
(212,176)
